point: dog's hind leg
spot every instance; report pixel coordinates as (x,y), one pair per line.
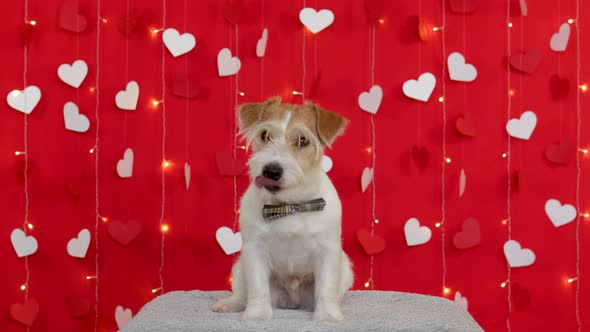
(237,301)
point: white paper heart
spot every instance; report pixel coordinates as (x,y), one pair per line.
(516,256)
(316,21)
(226,64)
(187,175)
(74,74)
(24,101)
(560,214)
(416,234)
(558,42)
(127,99)
(459,70)
(370,101)
(261,44)
(125,165)
(523,7)
(122,316)
(229,241)
(73,120)
(78,246)
(522,128)
(178,44)
(23,245)
(420,89)
(461,301)
(366,178)
(462,182)
(326,163)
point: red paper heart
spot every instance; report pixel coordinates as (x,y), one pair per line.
(424,30)
(372,244)
(232,11)
(374,10)
(25,313)
(526,62)
(74,186)
(560,153)
(521,296)
(70,19)
(421,157)
(469,236)
(559,87)
(184,86)
(77,306)
(465,126)
(227,165)
(124,232)
(462,6)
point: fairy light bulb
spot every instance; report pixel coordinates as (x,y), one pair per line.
(90,277)
(30,226)
(511,92)
(584,151)
(446,290)
(510,24)
(104,219)
(165,228)
(441,99)
(165,163)
(230,280)
(33,23)
(92,89)
(586,215)
(296,93)
(504,155)
(570,280)
(155,290)
(504,221)
(18,153)
(584,87)
(376,221)
(104,20)
(570,21)
(503,285)
(155,103)
(448,160)
(23,287)
(437,225)
(367,284)
(369,149)
(381,21)
(91,150)
(242,94)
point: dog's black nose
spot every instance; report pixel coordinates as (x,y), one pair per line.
(272,171)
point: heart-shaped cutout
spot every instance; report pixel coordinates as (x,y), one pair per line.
(469,236)
(122,316)
(227,64)
(124,232)
(69,17)
(462,6)
(25,100)
(26,312)
(421,157)
(522,128)
(74,74)
(229,241)
(227,165)
(366,178)
(521,296)
(326,164)
(416,234)
(516,255)
(23,245)
(560,214)
(77,306)
(125,165)
(526,62)
(420,89)
(178,44)
(371,100)
(74,185)
(187,175)
(232,11)
(261,43)
(78,246)
(558,41)
(73,120)
(465,126)
(316,21)
(461,301)
(559,87)
(459,70)
(372,244)
(561,153)
(127,99)
(184,85)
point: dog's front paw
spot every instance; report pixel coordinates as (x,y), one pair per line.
(228,305)
(328,313)
(257,312)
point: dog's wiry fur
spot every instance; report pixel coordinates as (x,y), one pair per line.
(296,261)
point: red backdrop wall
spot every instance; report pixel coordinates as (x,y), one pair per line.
(196,129)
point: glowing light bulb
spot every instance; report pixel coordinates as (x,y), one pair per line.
(441,99)
(242,147)
(230,280)
(104,219)
(437,225)
(435,29)
(570,21)
(369,149)
(90,277)
(510,24)
(296,93)
(446,290)
(165,228)
(367,284)
(570,280)
(376,221)
(584,87)
(504,221)
(155,103)
(584,151)
(504,155)
(18,153)
(511,92)
(155,290)
(242,94)
(30,226)
(23,287)
(448,160)
(586,215)
(165,164)
(381,21)
(33,23)
(91,150)
(503,284)
(91,89)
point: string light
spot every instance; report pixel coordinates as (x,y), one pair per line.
(570,280)
(571,21)
(90,277)
(155,103)
(381,21)
(511,92)
(297,93)
(18,153)
(510,24)
(29,225)
(91,150)
(367,284)
(155,31)
(584,87)
(437,225)
(242,94)
(103,20)
(435,29)
(165,228)
(504,155)
(446,290)
(503,285)
(376,221)
(448,160)
(504,222)
(104,219)
(92,89)
(155,290)
(33,23)
(166,163)
(242,147)
(369,149)
(441,99)
(23,287)
(585,215)
(230,280)
(584,151)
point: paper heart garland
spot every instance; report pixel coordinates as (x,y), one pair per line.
(370,101)
(124,232)
(558,41)
(374,9)
(122,316)
(229,241)
(560,214)
(23,245)
(420,89)
(26,312)
(125,165)
(74,74)
(459,70)
(526,62)
(366,178)
(462,182)
(226,64)
(461,301)
(187,175)
(316,21)
(465,126)
(73,120)
(559,87)
(25,100)
(70,19)
(326,163)
(561,153)
(372,244)
(516,256)
(178,44)
(78,246)
(421,156)
(232,11)
(462,6)
(127,99)
(416,234)
(469,236)
(522,128)
(77,306)
(261,43)
(227,165)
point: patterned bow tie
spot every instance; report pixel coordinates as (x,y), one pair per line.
(273,212)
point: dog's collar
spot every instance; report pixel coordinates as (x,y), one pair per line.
(276,211)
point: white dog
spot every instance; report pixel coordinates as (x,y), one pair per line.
(290,216)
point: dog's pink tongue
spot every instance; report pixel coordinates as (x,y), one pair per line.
(261,181)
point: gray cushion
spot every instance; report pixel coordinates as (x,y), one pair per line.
(363,311)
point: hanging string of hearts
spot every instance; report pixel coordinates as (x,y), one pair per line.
(96,150)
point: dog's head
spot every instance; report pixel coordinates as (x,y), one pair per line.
(287,141)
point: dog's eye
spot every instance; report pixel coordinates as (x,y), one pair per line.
(265,136)
(302,142)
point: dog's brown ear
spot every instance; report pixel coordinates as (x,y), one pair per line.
(249,114)
(329,125)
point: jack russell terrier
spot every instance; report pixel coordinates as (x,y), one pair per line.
(290,216)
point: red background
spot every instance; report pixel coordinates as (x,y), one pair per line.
(196,129)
